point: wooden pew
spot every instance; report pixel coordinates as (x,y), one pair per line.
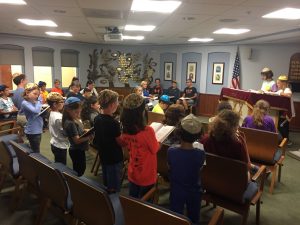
(262,147)
(154,117)
(224,182)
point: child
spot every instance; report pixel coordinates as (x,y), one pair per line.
(31,107)
(74,129)
(74,91)
(59,142)
(43,92)
(142,145)
(163,104)
(56,87)
(268,85)
(90,109)
(108,141)
(6,103)
(185,163)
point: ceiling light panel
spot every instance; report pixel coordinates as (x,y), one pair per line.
(286,13)
(43,23)
(139,38)
(201,39)
(139,28)
(13,2)
(59,34)
(231,31)
(155,6)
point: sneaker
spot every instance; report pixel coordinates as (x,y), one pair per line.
(289,143)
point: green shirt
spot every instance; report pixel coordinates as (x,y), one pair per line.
(158,109)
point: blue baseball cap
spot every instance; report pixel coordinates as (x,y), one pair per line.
(71,100)
(165,99)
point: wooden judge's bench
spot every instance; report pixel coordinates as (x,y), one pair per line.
(243,102)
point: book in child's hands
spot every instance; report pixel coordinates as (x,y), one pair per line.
(88,132)
(184,98)
(161,131)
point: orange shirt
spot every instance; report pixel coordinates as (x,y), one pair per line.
(58,90)
(44,95)
(142,168)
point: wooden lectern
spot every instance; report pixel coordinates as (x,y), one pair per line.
(243,102)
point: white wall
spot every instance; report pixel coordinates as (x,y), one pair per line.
(274,56)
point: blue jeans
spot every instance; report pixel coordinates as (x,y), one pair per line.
(112,176)
(138,191)
(60,155)
(35,141)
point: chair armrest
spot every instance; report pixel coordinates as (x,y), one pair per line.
(11,131)
(283,144)
(260,175)
(150,194)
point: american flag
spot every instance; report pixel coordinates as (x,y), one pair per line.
(235,81)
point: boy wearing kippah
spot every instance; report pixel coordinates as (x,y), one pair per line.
(108,141)
(185,163)
(59,142)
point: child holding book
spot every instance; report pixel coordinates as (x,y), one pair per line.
(31,107)
(185,163)
(74,129)
(142,145)
(108,141)
(59,142)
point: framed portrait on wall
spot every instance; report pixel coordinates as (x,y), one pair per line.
(191,70)
(218,73)
(168,73)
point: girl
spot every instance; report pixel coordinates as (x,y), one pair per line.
(6,103)
(260,118)
(59,142)
(90,109)
(142,145)
(74,129)
(31,107)
(268,84)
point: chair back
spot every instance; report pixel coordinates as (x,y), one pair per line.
(91,204)
(162,162)
(154,117)
(224,177)
(51,183)
(262,145)
(137,212)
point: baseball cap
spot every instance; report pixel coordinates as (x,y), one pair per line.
(283,77)
(71,100)
(191,124)
(2,87)
(133,101)
(165,99)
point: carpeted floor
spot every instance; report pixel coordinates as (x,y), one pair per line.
(281,208)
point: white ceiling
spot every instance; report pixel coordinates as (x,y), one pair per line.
(87,19)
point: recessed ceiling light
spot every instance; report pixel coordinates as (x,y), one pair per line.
(44,23)
(155,6)
(13,2)
(231,31)
(200,39)
(286,13)
(139,28)
(125,37)
(59,34)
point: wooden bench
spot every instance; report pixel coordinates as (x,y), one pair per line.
(262,147)
(154,117)
(224,182)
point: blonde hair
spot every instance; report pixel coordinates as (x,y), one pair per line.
(144,82)
(29,88)
(225,125)
(261,109)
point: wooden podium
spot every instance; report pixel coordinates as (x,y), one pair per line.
(243,102)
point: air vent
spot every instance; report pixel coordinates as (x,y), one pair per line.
(108,14)
(113,37)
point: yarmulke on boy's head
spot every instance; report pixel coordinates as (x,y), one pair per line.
(42,83)
(191,124)
(106,97)
(133,101)
(54,97)
(30,86)
(165,99)
(71,100)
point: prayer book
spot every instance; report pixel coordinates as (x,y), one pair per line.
(161,131)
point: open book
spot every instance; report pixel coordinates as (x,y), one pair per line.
(183,98)
(161,131)
(87,133)
(44,109)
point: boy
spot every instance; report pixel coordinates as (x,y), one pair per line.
(74,91)
(43,92)
(6,103)
(185,163)
(189,92)
(163,104)
(59,142)
(56,87)
(108,141)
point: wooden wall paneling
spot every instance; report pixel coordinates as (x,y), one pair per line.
(207,104)
(5,75)
(295,123)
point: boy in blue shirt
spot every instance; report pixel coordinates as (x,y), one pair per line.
(185,163)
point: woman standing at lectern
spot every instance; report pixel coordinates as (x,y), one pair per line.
(268,85)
